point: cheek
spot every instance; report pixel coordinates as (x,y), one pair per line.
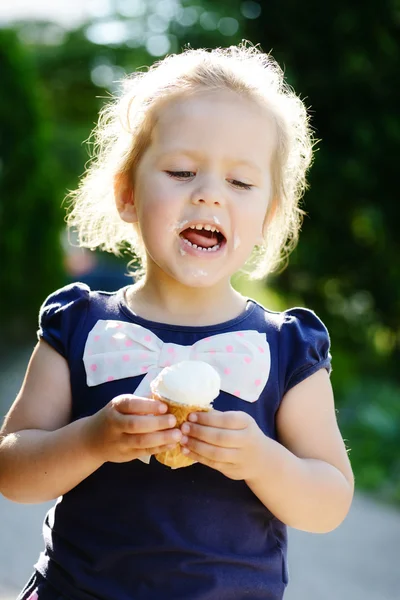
(253,217)
(250,226)
(262,212)
(153,199)
(158,214)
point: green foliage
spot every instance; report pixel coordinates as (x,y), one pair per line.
(29,216)
(370,420)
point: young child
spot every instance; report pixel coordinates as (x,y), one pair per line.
(200,166)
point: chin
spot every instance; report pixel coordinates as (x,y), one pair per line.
(199,278)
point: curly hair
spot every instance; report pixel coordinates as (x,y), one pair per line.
(123,132)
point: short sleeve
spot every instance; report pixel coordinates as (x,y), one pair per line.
(61,313)
(304,347)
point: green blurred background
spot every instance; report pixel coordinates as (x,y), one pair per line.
(342,59)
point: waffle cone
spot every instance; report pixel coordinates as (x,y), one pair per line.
(174,457)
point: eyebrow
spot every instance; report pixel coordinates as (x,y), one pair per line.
(196,155)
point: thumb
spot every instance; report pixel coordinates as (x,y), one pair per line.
(131,404)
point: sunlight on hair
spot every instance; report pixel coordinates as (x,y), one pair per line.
(123,132)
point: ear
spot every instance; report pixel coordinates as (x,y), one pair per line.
(124,198)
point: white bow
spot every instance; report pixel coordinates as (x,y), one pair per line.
(118,350)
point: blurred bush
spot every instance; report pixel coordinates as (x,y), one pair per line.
(30,219)
(370,417)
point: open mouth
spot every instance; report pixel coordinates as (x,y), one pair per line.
(207,238)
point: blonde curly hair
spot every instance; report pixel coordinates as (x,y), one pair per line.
(123,134)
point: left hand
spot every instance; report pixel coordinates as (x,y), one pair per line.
(229,442)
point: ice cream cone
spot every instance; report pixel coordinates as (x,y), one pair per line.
(186,387)
(174,457)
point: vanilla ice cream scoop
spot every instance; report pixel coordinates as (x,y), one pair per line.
(186,387)
(191,382)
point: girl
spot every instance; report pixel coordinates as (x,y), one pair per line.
(200,162)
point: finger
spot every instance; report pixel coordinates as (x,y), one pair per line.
(223,467)
(146,451)
(154,439)
(210,452)
(233,419)
(130,404)
(224,438)
(138,424)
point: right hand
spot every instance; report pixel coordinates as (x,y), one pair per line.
(130,427)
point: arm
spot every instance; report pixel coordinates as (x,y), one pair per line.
(43,455)
(306,480)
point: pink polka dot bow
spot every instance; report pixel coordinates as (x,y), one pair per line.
(118,350)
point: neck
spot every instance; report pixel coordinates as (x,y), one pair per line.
(157,299)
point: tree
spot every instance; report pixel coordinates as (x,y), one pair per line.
(29,217)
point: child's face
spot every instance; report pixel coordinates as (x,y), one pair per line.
(208,164)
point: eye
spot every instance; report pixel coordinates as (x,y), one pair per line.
(180,174)
(241,184)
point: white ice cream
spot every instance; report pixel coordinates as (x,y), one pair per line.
(192,382)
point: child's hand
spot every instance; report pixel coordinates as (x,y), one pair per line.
(226,441)
(130,427)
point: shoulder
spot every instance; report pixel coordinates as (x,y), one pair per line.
(66,297)
(301,343)
(75,296)
(303,322)
(60,312)
(65,312)
(297,320)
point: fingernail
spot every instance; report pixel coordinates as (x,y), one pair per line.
(185,428)
(193,417)
(184,440)
(163,408)
(185,450)
(171,421)
(177,435)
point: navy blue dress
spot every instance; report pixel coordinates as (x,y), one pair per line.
(145,531)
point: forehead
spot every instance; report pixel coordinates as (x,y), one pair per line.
(217,123)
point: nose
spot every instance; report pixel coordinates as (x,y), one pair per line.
(208,191)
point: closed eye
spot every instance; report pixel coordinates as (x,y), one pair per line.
(241,184)
(180,174)
(189,174)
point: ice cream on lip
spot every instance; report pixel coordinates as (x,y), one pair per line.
(205,235)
